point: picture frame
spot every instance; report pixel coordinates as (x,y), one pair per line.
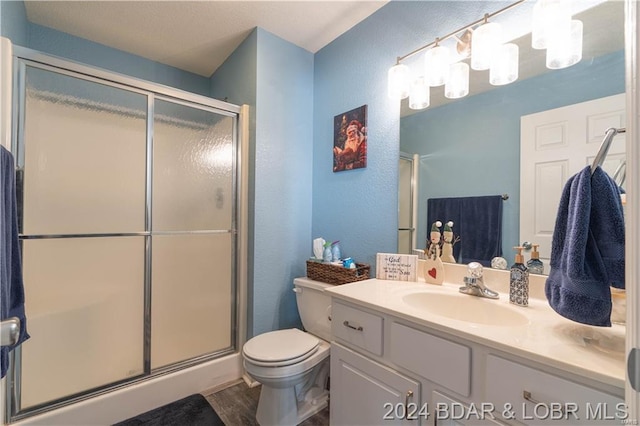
(350,140)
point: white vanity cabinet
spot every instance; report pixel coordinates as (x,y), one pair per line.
(385,368)
(364,392)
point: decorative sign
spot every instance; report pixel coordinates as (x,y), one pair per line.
(398,267)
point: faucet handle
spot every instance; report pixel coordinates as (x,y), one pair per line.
(475,269)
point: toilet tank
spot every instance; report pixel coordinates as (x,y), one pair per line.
(314,306)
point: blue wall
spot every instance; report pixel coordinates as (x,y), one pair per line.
(81,50)
(471,146)
(275,78)
(13,22)
(284,141)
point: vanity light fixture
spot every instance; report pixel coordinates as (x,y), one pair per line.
(553,29)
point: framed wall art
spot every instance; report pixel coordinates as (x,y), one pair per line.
(350,140)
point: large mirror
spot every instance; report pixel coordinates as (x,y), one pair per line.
(471,146)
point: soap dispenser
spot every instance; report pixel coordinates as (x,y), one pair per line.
(519,281)
(534,264)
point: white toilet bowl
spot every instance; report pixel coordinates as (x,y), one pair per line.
(293,368)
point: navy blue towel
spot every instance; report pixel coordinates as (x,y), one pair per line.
(11,285)
(587,249)
(478,222)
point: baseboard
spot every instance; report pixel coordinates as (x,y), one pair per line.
(249,380)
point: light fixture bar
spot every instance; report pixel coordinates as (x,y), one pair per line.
(459,30)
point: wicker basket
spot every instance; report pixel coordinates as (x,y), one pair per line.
(335,274)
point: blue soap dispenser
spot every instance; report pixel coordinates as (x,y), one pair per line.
(519,281)
(534,264)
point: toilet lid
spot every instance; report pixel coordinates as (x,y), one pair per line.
(281,345)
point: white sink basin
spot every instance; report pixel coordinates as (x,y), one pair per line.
(466,308)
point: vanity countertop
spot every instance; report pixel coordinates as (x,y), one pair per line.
(547,338)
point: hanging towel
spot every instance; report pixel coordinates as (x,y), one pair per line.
(478,222)
(587,249)
(11,285)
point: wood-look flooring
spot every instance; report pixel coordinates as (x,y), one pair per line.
(237,405)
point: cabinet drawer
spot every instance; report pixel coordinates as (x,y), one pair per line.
(438,360)
(359,328)
(541,398)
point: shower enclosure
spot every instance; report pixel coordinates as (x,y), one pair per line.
(407,202)
(128,210)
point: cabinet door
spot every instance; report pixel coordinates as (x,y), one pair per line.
(364,392)
(449,412)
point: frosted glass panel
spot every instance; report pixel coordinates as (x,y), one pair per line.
(85,149)
(85,300)
(191,298)
(192,169)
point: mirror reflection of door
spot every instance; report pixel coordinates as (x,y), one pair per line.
(555,145)
(407,203)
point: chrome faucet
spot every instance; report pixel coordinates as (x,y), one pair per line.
(474,283)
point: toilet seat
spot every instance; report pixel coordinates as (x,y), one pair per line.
(262,373)
(280,348)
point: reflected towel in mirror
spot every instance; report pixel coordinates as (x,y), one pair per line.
(478,222)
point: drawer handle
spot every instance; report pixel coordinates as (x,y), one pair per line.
(527,395)
(408,395)
(358,328)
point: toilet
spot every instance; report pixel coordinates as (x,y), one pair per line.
(293,365)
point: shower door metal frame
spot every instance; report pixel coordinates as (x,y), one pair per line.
(23,57)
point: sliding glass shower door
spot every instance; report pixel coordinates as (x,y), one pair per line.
(128,229)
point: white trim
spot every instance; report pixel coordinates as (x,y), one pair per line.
(6,62)
(632,212)
(128,402)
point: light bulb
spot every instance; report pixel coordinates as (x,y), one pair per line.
(504,65)
(458,84)
(566,49)
(398,82)
(419,96)
(436,61)
(550,18)
(484,41)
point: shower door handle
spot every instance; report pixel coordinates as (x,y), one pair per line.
(9,331)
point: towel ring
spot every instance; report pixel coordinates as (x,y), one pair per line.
(604,147)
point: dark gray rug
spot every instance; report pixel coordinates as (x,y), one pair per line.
(193,410)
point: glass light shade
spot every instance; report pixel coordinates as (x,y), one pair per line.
(484,42)
(504,66)
(419,96)
(566,50)
(436,61)
(398,82)
(458,84)
(550,17)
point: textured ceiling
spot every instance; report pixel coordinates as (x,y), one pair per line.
(198,36)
